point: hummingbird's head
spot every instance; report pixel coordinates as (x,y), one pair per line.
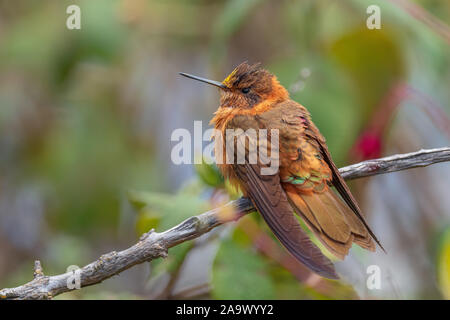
(247,86)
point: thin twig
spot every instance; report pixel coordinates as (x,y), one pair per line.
(153,245)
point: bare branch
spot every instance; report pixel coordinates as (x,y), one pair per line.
(153,245)
(396,162)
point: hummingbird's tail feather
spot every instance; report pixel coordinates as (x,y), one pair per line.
(343,190)
(332,221)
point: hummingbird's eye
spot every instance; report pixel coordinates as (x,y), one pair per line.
(245,90)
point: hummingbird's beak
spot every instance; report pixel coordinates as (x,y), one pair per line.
(212,82)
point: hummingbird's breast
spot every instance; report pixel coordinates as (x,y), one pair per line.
(221,118)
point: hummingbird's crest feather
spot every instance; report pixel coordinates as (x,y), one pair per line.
(245,75)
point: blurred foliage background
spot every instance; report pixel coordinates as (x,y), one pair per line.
(86,118)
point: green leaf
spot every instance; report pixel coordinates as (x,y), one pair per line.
(209,174)
(239,273)
(443,264)
(172,209)
(147,220)
(287,286)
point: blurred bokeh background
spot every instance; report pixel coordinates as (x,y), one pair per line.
(86,118)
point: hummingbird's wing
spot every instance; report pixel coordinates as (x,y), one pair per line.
(306,172)
(267,195)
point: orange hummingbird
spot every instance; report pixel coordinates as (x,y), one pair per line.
(253,98)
